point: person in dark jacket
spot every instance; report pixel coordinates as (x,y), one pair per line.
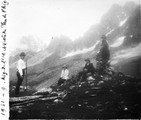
(103,55)
(87,70)
(105,52)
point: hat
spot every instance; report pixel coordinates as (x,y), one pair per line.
(103,37)
(87,59)
(64,66)
(22,54)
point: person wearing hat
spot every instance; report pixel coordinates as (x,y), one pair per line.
(87,70)
(64,75)
(104,41)
(21,66)
(104,52)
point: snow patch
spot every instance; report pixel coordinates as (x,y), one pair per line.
(131,36)
(85,50)
(123,13)
(126,54)
(110,32)
(122,22)
(118,42)
(114,62)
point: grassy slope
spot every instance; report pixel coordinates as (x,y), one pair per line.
(48,72)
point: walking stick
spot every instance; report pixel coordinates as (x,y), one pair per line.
(26,74)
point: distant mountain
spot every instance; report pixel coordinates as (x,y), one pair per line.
(28,44)
(60,45)
(118,21)
(133,33)
(31,43)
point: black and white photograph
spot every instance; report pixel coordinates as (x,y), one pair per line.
(72,59)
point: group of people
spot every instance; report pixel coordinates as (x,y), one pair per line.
(102,57)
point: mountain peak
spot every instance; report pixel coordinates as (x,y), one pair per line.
(60,44)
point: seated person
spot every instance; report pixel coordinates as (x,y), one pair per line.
(87,70)
(64,75)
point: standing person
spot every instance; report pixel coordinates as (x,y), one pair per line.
(64,75)
(105,52)
(103,55)
(87,70)
(21,66)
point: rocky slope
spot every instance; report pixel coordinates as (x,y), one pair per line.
(112,95)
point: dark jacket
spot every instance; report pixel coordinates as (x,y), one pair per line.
(90,68)
(104,53)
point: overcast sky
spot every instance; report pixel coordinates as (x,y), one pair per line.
(46,18)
